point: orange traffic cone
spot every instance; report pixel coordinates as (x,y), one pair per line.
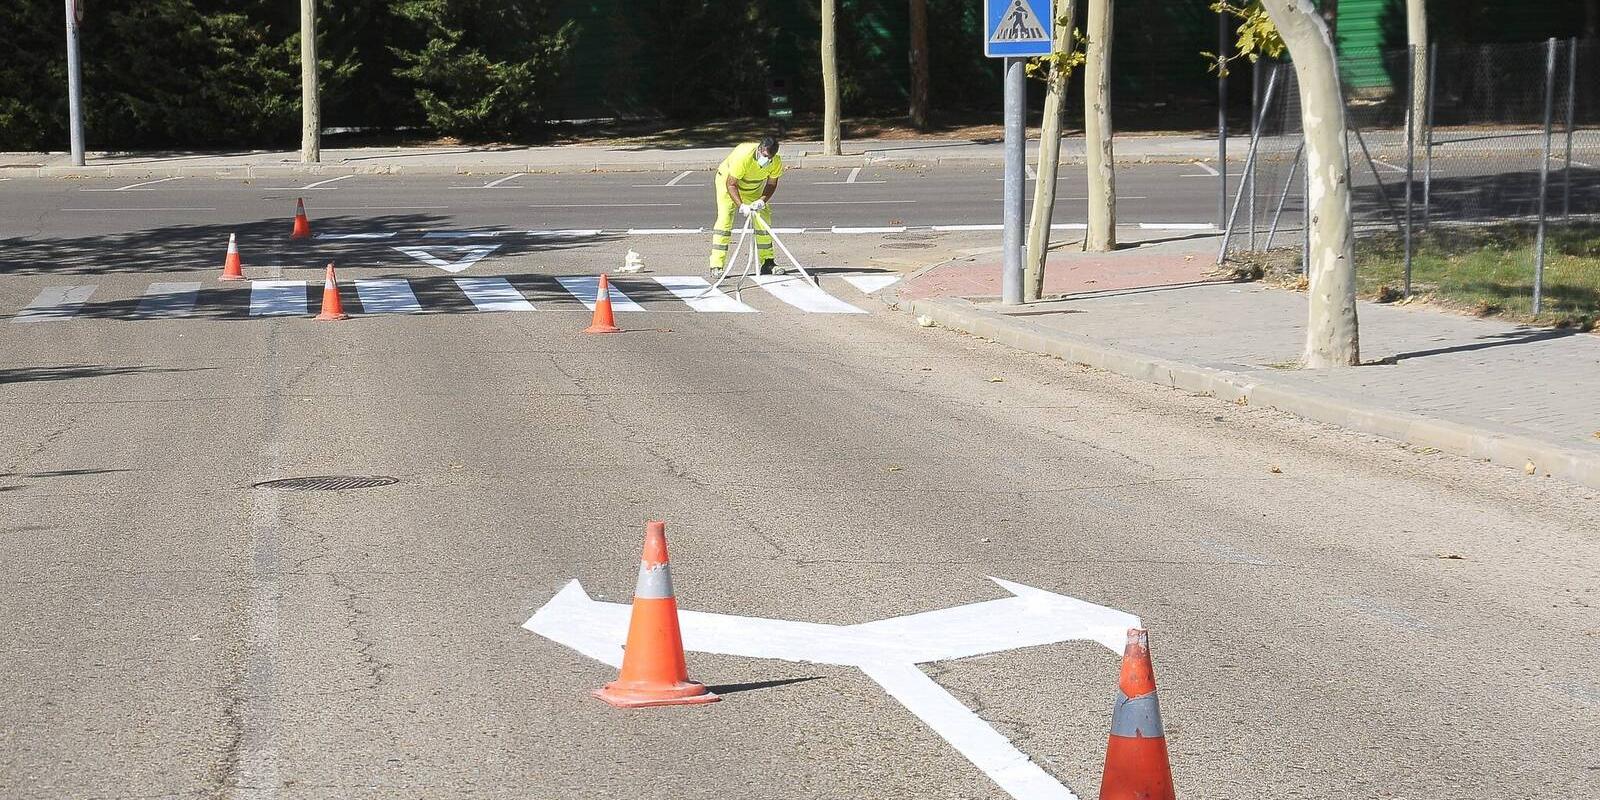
(232,270)
(302,226)
(332,308)
(1136,756)
(603,321)
(653,671)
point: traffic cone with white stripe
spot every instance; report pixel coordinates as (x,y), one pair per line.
(603,320)
(232,268)
(653,668)
(1136,755)
(302,225)
(332,306)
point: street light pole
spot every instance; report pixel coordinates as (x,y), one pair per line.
(74,84)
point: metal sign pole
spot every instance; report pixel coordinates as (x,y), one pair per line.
(1016,157)
(74,85)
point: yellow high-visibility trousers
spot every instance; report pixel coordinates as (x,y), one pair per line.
(722,229)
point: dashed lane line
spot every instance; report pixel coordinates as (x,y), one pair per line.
(310,187)
(133,186)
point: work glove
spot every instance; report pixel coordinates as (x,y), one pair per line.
(747,209)
(758,205)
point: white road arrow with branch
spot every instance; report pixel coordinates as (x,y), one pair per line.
(888,651)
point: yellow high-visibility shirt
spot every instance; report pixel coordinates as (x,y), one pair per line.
(741,166)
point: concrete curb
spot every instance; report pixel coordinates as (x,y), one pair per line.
(1504,446)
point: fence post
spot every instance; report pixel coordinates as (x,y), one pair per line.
(1411,152)
(1255,124)
(1427,158)
(1544,174)
(1572,91)
(1222,119)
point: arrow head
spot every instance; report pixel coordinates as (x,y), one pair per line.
(1103,624)
(595,629)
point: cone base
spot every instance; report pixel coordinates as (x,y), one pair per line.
(231,278)
(687,693)
(602,329)
(332,317)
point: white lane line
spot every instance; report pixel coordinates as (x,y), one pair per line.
(1177,226)
(493,184)
(311,186)
(1211,172)
(954,228)
(1380,162)
(566,232)
(56,303)
(692,290)
(169,299)
(853,179)
(606,205)
(493,294)
(681,176)
(845,202)
(854,173)
(381,208)
(1033,174)
(871,283)
(389,235)
(587,289)
(1069,226)
(663,231)
(1574,163)
(869,229)
(462,234)
(387,296)
(802,294)
(277,298)
(138,185)
(140,210)
(786,231)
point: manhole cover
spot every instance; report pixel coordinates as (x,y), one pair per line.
(906,245)
(328,483)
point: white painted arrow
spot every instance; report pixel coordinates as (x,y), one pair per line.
(886,650)
(467,255)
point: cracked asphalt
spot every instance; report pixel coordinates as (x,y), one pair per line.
(1331,615)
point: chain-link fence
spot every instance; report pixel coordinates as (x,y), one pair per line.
(1488,196)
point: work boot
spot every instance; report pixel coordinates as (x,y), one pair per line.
(770,267)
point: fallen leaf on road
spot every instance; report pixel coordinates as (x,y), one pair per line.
(997,380)
(1450,556)
(1529,468)
(1275,469)
(1597,434)
(893,468)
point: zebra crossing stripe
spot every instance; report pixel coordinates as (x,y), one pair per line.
(691,289)
(55,303)
(587,289)
(802,294)
(169,299)
(387,296)
(493,294)
(277,298)
(871,283)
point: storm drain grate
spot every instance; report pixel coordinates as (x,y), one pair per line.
(906,245)
(328,483)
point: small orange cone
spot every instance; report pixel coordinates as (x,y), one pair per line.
(232,270)
(653,671)
(603,321)
(332,308)
(1136,755)
(302,226)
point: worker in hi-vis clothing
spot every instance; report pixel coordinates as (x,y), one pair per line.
(745,182)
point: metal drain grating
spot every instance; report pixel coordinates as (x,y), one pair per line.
(327,483)
(906,245)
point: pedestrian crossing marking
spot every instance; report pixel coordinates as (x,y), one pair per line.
(277,298)
(698,294)
(804,295)
(493,294)
(587,289)
(169,299)
(467,255)
(56,303)
(871,283)
(387,296)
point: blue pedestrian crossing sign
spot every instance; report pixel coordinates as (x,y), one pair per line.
(1017,28)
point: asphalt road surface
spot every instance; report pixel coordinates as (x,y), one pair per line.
(1331,615)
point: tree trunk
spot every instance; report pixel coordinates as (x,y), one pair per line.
(830,79)
(310,102)
(919,64)
(1331,334)
(1044,190)
(1417,38)
(1330,17)
(1102,233)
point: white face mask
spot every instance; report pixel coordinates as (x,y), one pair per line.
(762,161)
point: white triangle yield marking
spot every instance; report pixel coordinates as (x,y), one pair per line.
(467,255)
(692,290)
(871,283)
(587,289)
(387,296)
(802,294)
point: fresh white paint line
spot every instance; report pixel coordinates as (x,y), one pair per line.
(954,228)
(885,650)
(1211,172)
(465,255)
(871,283)
(783,231)
(1380,162)
(567,232)
(662,231)
(698,294)
(277,298)
(587,289)
(388,235)
(606,205)
(387,296)
(684,174)
(169,299)
(463,234)
(320,184)
(139,210)
(803,294)
(854,173)
(496,183)
(869,229)
(381,208)
(845,183)
(1069,226)
(146,183)
(1177,226)
(493,294)
(845,202)
(55,303)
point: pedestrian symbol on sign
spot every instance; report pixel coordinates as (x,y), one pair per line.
(1017,28)
(1020,25)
